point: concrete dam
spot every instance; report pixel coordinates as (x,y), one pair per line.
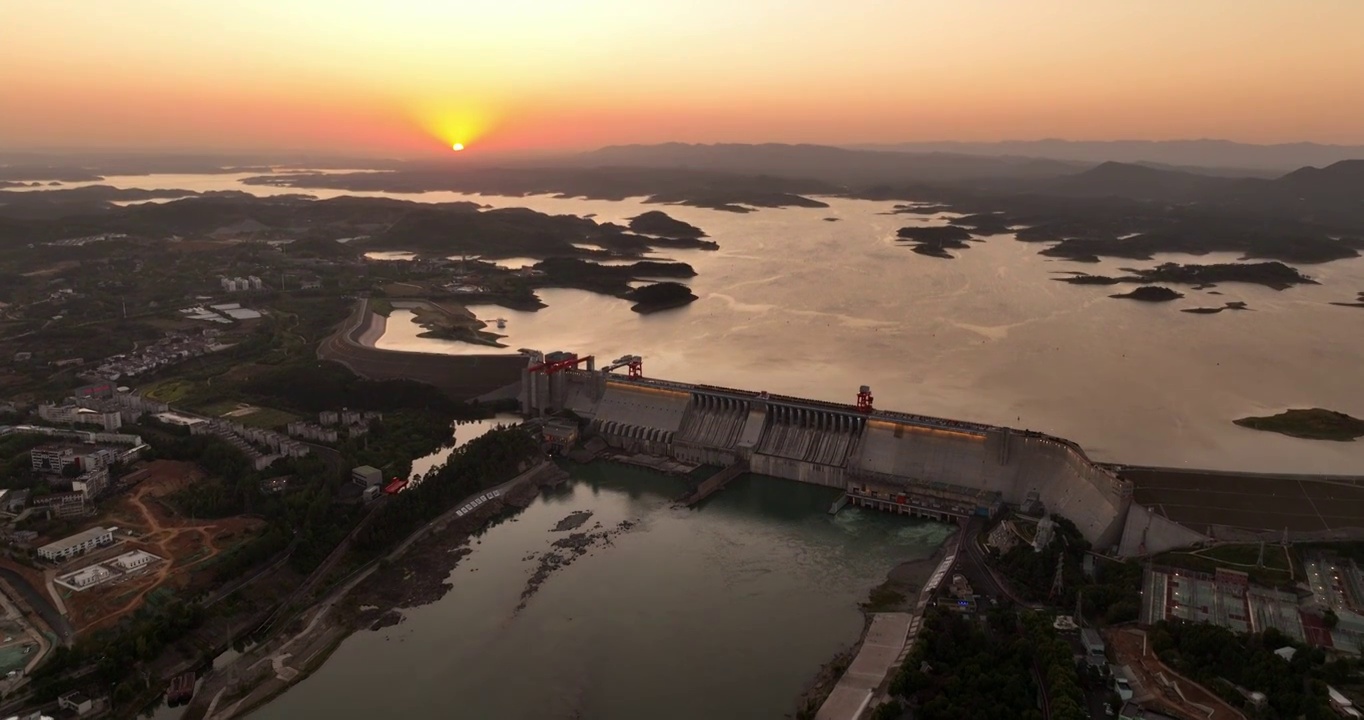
(933,467)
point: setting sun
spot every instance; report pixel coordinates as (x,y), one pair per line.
(457,147)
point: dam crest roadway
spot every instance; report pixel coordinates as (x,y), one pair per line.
(939,468)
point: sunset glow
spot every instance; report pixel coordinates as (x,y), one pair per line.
(417,77)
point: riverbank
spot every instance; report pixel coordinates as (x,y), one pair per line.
(899,593)
(412,574)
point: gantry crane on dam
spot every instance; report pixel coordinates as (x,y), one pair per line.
(543,379)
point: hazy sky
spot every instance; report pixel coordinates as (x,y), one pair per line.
(403,76)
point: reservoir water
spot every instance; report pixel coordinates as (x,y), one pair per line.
(797,305)
(728,610)
(722,612)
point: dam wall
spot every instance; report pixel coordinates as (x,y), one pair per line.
(837,445)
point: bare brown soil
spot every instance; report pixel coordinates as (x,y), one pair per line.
(183,544)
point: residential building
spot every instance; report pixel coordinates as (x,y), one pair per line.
(91,483)
(73,414)
(76,544)
(328,417)
(63,504)
(52,458)
(366,476)
(56,458)
(77,702)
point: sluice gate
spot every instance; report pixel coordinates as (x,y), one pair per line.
(948,464)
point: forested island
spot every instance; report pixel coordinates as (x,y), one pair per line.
(1310,424)
(1150,293)
(660,296)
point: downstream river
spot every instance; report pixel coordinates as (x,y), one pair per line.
(726,611)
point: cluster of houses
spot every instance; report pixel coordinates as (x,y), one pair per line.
(249,439)
(172,349)
(331,424)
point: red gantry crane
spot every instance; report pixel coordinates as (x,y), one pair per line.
(864,400)
(634,365)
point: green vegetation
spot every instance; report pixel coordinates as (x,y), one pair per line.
(990,669)
(1311,424)
(1217,658)
(118,655)
(1113,595)
(16,469)
(485,461)
(660,296)
(1277,571)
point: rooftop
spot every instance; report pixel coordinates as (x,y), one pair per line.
(74,540)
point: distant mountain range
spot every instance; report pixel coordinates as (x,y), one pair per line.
(1185,153)
(822,162)
(1333,194)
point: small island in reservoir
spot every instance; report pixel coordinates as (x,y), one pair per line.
(1151,293)
(935,241)
(1311,424)
(660,296)
(656,222)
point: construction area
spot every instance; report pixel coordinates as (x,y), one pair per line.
(1156,686)
(155,548)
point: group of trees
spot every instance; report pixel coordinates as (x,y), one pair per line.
(110,658)
(1219,659)
(1112,595)
(993,667)
(312,386)
(961,668)
(483,462)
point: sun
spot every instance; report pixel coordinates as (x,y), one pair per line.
(457,147)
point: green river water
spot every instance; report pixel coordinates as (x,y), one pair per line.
(724,611)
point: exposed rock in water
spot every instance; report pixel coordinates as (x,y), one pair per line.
(564,551)
(933,250)
(1082,279)
(1358,304)
(388,619)
(1235,305)
(1151,293)
(573,521)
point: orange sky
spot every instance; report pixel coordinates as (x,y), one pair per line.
(405,77)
